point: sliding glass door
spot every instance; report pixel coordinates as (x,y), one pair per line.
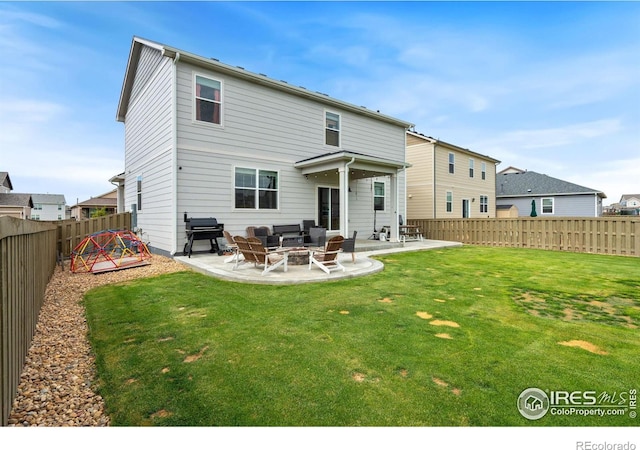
(329,208)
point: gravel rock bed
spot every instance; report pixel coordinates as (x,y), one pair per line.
(56,385)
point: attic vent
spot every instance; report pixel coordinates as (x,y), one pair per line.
(282,81)
(215,59)
(240,67)
(264,75)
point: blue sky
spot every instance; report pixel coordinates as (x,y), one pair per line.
(552,87)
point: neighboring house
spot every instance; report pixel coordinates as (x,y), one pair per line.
(552,197)
(629,205)
(630,201)
(207,139)
(83,210)
(447,181)
(14,205)
(48,207)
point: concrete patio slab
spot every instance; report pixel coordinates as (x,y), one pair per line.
(214,265)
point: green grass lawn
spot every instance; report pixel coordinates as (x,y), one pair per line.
(439,338)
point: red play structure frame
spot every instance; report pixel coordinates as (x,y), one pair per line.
(109,250)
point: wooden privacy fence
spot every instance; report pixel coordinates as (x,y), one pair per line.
(72,232)
(27,261)
(612,235)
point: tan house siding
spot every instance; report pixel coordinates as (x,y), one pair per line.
(429,180)
(420,191)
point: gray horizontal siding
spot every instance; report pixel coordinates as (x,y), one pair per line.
(564,205)
(148,150)
(267,129)
(288,127)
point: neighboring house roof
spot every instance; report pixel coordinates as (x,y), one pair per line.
(16,200)
(236,71)
(452,146)
(629,197)
(511,169)
(5,180)
(48,199)
(533,184)
(99,202)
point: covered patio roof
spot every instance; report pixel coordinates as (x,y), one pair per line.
(354,166)
(360,165)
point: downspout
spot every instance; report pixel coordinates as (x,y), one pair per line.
(346,197)
(435,200)
(174,155)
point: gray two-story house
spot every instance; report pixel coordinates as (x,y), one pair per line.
(214,140)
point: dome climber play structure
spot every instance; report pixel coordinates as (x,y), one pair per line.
(109,250)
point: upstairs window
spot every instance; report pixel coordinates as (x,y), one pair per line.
(452,163)
(471,168)
(332,129)
(378,196)
(208,99)
(256,189)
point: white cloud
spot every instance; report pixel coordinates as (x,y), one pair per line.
(559,136)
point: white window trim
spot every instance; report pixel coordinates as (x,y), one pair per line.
(451,163)
(193,100)
(257,189)
(446,196)
(373,197)
(483,169)
(486,204)
(553,206)
(472,170)
(324,128)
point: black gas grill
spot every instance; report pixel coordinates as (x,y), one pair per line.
(200,229)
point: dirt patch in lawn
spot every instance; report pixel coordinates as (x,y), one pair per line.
(443,336)
(585,345)
(444,323)
(424,315)
(162,414)
(197,356)
(581,307)
(442,383)
(386,300)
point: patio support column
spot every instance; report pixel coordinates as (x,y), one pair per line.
(344,199)
(393,194)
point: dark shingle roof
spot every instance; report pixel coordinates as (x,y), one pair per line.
(535,184)
(99,201)
(49,199)
(5,180)
(16,200)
